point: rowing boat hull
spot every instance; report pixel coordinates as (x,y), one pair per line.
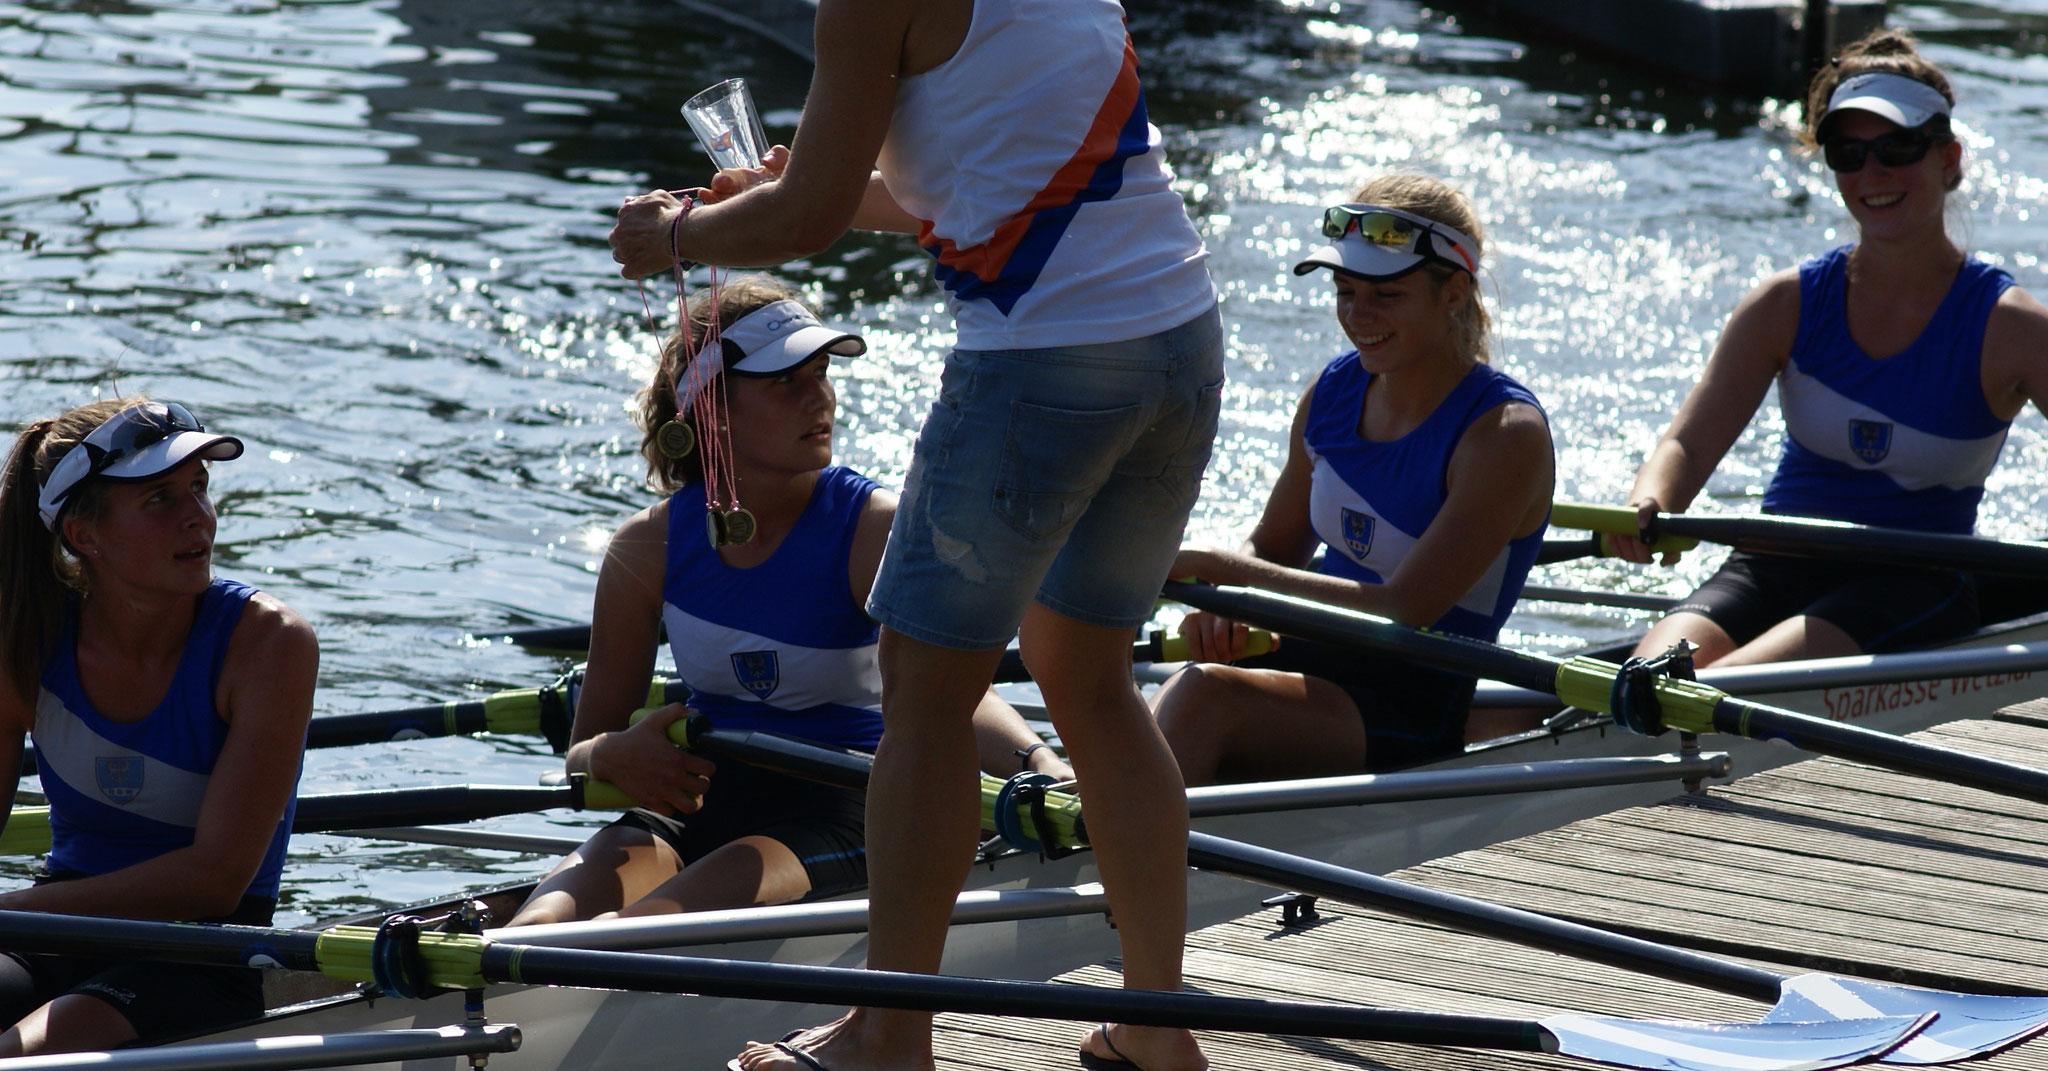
(587,1028)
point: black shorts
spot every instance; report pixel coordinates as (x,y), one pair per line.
(825,827)
(160,1000)
(1882,608)
(1412,714)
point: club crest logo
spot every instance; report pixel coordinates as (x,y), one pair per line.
(1358,532)
(119,776)
(758,672)
(1871,439)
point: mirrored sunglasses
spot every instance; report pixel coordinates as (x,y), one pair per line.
(1395,232)
(1898,148)
(133,429)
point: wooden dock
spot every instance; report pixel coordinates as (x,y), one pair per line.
(1821,865)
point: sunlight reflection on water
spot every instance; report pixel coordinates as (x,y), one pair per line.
(368,237)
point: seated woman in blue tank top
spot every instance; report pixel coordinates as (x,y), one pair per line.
(1423,474)
(1900,362)
(169,711)
(771,634)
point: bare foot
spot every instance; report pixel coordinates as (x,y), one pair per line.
(1145,1048)
(852,1043)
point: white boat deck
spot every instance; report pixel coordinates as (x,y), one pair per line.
(1823,865)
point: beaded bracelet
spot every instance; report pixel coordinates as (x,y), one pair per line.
(674,235)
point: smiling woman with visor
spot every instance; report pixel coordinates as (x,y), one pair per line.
(1900,363)
(771,634)
(169,711)
(1424,477)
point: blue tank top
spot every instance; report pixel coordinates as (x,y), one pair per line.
(122,794)
(1371,501)
(1905,441)
(780,646)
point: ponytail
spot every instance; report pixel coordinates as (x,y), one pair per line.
(37,569)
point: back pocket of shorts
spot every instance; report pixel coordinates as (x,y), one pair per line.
(1054,462)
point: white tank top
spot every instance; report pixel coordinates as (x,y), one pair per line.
(1042,186)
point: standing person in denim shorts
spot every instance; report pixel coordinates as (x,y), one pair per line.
(1055,472)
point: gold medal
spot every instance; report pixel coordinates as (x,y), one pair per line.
(739,526)
(728,528)
(675,440)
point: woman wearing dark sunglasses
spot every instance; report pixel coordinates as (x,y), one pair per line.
(1900,362)
(1424,477)
(169,712)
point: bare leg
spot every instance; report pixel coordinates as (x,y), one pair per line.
(615,867)
(1137,811)
(746,872)
(1792,638)
(1248,724)
(924,815)
(73,1022)
(1710,643)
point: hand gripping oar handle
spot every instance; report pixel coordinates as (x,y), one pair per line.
(1806,537)
(1592,685)
(546,712)
(1603,521)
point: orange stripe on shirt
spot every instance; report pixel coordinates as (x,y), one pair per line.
(986,261)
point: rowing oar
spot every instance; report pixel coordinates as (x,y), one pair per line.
(1848,671)
(420,962)
(1157,647)
(1968,1025)
(1591,684)
(1818,539)
(28,828)
(289,1052)
(545,712)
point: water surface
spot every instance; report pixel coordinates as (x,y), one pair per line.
(368,237)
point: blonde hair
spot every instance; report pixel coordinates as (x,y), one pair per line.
(1434,199)
(37,566)
(737,297)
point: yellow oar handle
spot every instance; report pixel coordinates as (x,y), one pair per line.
(452,960)
(27,832)
(1688,706)
(1174,648)
(1613,520)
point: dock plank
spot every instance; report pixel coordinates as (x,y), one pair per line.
(1824,861)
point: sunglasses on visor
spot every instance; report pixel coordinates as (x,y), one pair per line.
(1398,232)
(1898,148)
(133,429)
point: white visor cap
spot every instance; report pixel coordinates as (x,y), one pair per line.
(775,338)
(1905,101)
(116,451)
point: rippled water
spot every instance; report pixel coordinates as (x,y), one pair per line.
(368,237)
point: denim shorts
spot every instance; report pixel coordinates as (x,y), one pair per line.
(1066,474)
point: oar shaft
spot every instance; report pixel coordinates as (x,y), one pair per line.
(919,992)
(1847,741)
(1588,683)
(221,946)
(431,805)
(1294,617)
(1883,546)
(1295,873)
